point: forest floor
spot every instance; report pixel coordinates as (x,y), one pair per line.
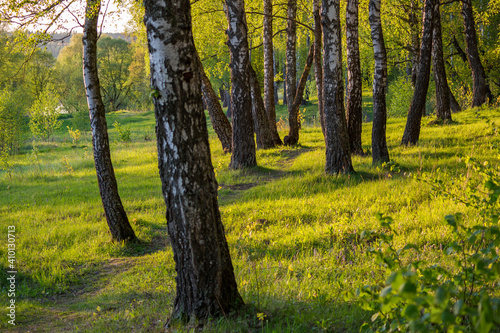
(293,231)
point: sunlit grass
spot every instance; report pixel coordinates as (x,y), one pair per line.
(292,229)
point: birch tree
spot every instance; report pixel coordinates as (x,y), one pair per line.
(318,67)
(338,156)
(241,101)
(354,89)
(115,213)
(206,285)
(262,127)
(413,122)
(291,61)
(443,111)
(478,74)
(269,97)
(379,143)
(220,123)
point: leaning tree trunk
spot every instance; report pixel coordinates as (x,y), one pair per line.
(478,74)
(412,129)
(443,111)
(220,123)
(293,135)
(454,105)
(115,213)
(318,68)
(206,285)
(354,108)
(338,156)
(269,97)
(380,152)
(415,40)
(262,127)
(241,101)
(291,60)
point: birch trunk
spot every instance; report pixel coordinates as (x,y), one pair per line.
(318,67)
(220,123)
(415,40)
(478,74)
(116,217)
(262,127)
(417,108)
(293,135)
(338,156)
(443,111)
(379,143)
(241,101)
(206,286)
(291,59)
(269,97)
(354,109)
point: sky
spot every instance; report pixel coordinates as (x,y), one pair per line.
(115,19)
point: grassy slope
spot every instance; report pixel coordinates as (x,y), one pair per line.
(292,230)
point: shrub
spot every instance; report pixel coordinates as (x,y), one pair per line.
(44,114)
(123,131)
(74,134)
(12,125)
(432,297)
(400,93)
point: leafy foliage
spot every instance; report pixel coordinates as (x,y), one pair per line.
(44,114)
(11,120)
(123,131)
(432,297)
(400,93)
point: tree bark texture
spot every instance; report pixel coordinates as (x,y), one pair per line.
(417,107)
(478,74)
(262,127)
(285,102)
(291,58)
(293,135)
(205,280)
(354,109)
(380,152)
(443,111)
(269,96)
(454,105)
(225,101)
(241,101)
(338,156)
(116,217)
(318,67)
(415,40)
(220,123)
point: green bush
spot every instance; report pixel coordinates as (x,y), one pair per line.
(399,95)
(459,295)
(123,131)
(12,125)
(44,114)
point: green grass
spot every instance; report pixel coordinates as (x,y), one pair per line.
(292,229)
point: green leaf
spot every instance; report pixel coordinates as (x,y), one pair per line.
(386,291)
(441,297)
(485,320)
(447,317)
(364,328)
(396,279)
(450,219)
(408,289)
(457,307)
(411,312)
